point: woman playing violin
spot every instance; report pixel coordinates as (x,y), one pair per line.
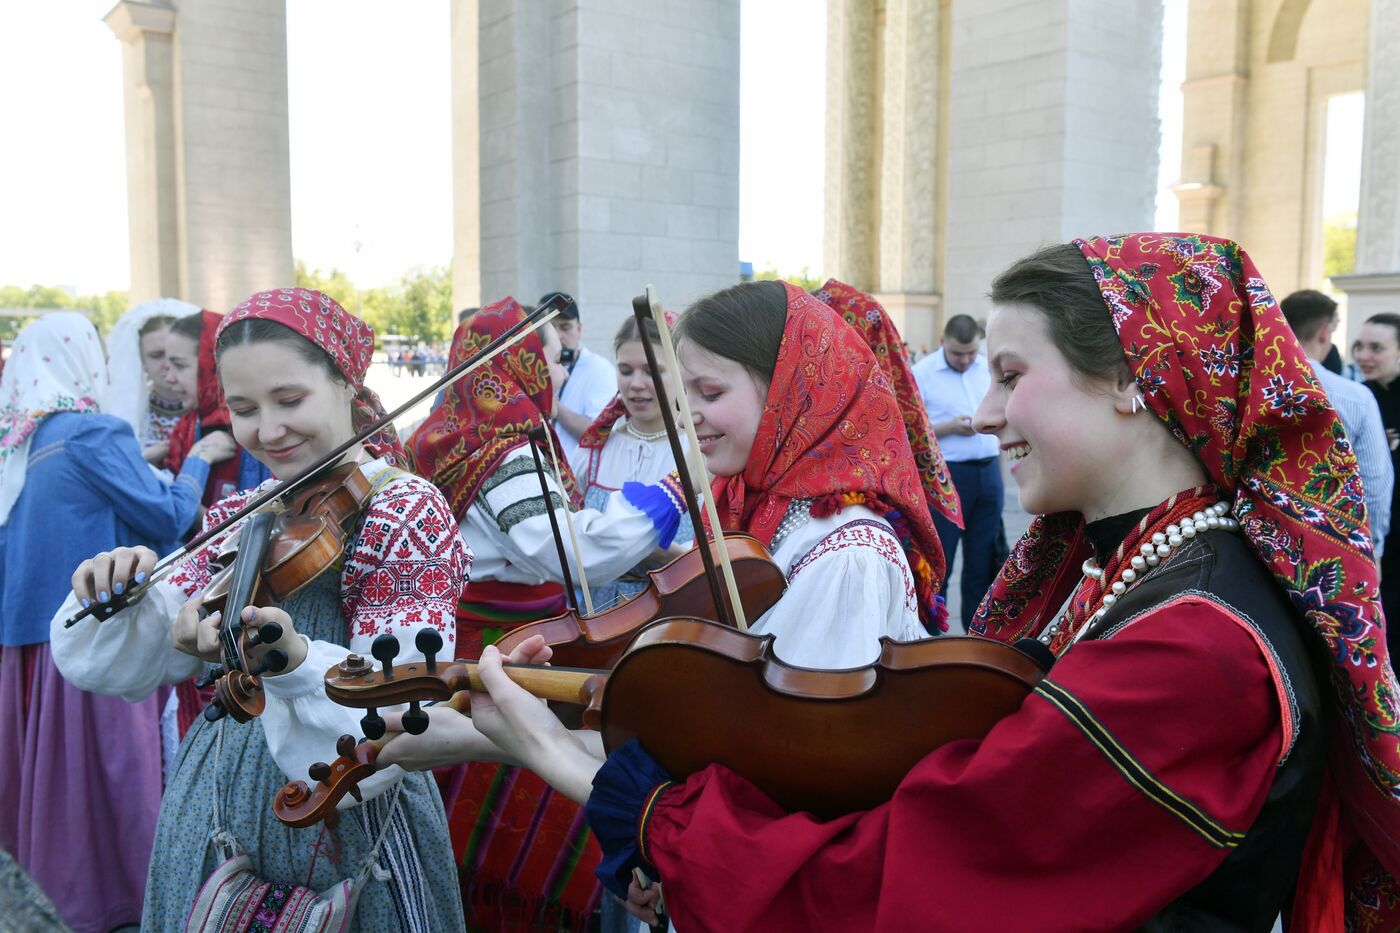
(801,427)
(626,443)
(73,478)
(1201,567)
(291,364)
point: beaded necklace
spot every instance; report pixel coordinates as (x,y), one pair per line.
(1166,527)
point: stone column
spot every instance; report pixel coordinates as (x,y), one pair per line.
(145,30)
(1052,131)
(853,124)
(913,165)
(609,153)
(1211,189)
(208,169)
(1376,285)
(466,156)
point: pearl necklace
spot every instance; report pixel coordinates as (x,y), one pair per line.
(649,438)
(1136,570)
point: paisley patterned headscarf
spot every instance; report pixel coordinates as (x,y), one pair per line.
(346,339)
(1218,364)
(867,316)
(487,413)
(831,431)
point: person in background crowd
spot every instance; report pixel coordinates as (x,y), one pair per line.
(80,774)
(1313,317)
(627,443)
(136,358)
(1377,355)
(592,382)
(952,381)
(193,369)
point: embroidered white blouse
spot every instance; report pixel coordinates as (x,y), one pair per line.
(406,570)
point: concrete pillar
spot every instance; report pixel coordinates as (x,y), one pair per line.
(216,169)
(1052,131)
(146,31)
(609,152)
(853,151)
(466,156)
(914,150)
(1376,285)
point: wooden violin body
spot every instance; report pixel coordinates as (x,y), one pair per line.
(677,589)
(823,742)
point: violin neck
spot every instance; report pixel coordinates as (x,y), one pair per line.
(561,684)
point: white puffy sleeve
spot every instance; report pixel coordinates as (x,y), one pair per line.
(846,592)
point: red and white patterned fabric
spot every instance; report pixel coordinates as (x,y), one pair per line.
(346,339)
(867,534)
(406,568)
(832,432)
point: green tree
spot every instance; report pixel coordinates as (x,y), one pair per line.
(334,283)
(102,309)
(1339,244)
(802,280)
(418,306)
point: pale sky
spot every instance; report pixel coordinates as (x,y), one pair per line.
(370,111)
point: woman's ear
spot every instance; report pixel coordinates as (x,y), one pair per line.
(1127,398)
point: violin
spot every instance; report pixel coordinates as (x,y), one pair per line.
(277,553)
(697,693)
(680,588)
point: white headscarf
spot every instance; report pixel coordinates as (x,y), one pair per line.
(55,365)
(129,397)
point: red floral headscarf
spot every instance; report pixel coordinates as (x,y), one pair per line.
(1217,362)
(831,431)
(867,316)
(210,410)
(346,339)
(596,435)
(487,413)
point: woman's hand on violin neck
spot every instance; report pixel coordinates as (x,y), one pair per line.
(112,573)
(293,644)
(451,739)
(196,634)
(525,729)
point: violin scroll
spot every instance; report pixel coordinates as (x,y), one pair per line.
(299,804)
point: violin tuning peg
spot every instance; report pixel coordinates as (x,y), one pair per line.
(345,746)
(274,661)
(266,634)
(429,641)
(415,721)
(355,792)
(373,724)
(210,677)
(214,712)
(319,772)
(385,648)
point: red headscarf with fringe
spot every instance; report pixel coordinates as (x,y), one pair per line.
(1219,365)
(346,339)
(873,323)
(832,431)
(488,412)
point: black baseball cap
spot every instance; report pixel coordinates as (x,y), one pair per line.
(570,312)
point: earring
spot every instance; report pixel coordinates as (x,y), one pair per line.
(1138,404)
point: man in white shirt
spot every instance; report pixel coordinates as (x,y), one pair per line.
(952,381)
(1313,317)
(592,380)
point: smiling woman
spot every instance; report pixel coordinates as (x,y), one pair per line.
(292,362)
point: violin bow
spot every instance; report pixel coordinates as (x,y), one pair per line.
(648,306)
(536,435)
(532,321)
(569,522)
